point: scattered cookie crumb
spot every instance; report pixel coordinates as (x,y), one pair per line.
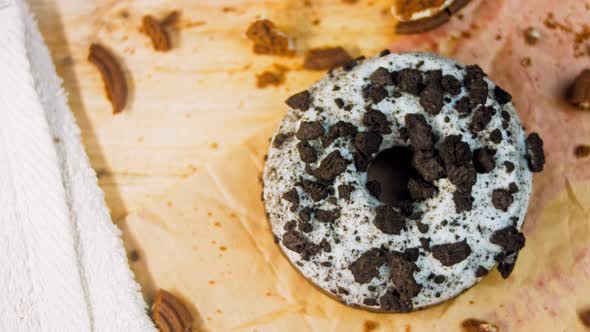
(526,62)
(170,314)
(370,326)
(223,248)
(476,325)
(268,39)
(316,21)
(585,317)
(274,76)
(406,8)
(157,30)
(325,58)
(582,151)
(532,36)
(579,91)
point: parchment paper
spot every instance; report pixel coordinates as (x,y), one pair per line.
(208,241)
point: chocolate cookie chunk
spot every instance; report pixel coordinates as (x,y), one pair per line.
(454,152)
(325,216)
(508,238)
(361,162)
(402,275)
(342,129)
(420,190)
(496,136)
(451,85)
(463,106)
(481,271)
(344,191)
(431,98)
(534,152)
(409,80)
(331,166)
(450,254)
(463,201)
(463,177)
(377,121)
(419,132)
(367,142)
(292,196)
(428,165)
(502,199)
(502,97)
(381,76)
(309,130)
(388,220)
(280,139)
(374,93)
(300,101)
(307,153)
(391,301)
(366,267)
(315,190)
(481,118)
(483,160)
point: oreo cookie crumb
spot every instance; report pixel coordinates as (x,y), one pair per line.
(295,241)
(305,214)
(431,99)
(366,267)
(502,97)
(425,243)
(506,264)
(331,166)
(412,254)
(463,106)
(496,136)
(433,78)
(361,162)
(342,129)
(403,134)
(384,52)
(315,190)
(290,225)
(509,166)
(325,216)
(451,85)
(309,130)
(325,245)
(307,154)
(481,271)
(473,73)
(305,227)
(402,275)
(343,291)
(463,201)
(509,238)
(422,227)
(481,118)
(292,196)
(370,302)
(344,191)
(483,160)
(420,190)
(376,121)
(534,152)
(454,152)
(478,92)
(512,188)
(429,166)
(419,132)
(390,301)
(409,80)
(439,279)
(280,138)
(300,101)
(381,76)
(388,220)
(450,254)
(367,142)
(374,93)
(339,102)
(502,199)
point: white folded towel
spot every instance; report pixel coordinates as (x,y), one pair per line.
(64,267)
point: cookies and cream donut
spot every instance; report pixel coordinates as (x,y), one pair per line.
(464,194)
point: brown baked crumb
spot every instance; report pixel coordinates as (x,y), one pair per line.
(170,314)
(531,36)
(551,23)
(406,8)
(268,39)
(581,46)
(370,326)
(579,91)
(112,76)
(157,33)
(585,317)
(133,256)
(273,76)
(582,151)
(526,62)
(350,2)
(476,325)
(325,58)
(171,19)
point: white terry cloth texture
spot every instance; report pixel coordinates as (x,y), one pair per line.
(64,267)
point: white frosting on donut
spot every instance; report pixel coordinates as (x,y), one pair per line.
(355,229)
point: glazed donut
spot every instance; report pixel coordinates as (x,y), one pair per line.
(458,206)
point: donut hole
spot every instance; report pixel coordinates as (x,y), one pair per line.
(391,169)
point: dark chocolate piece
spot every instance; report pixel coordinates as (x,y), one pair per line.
(450,254)
(388,220)
(300,101)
